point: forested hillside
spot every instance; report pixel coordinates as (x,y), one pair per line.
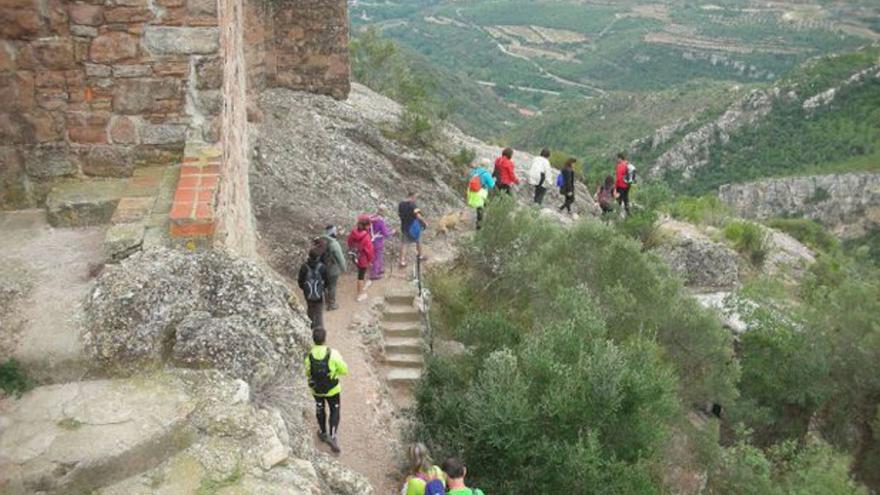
(823,117)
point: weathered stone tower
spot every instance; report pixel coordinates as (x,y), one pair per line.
(102,88)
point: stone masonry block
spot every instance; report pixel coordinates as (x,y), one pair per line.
(46,162)
(181,40)
(134,96)
(108,161)
(86,14)
(163,134)
(112,47)
(123,130)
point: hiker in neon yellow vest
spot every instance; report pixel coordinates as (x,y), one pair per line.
(324,366)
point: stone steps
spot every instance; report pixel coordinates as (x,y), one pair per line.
(404,360)
(404,329)
(402,314)
(407,377)
(403,345)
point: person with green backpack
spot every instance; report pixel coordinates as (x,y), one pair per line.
(455,473)
(323,367)
(481,181)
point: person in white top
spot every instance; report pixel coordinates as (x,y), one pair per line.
(541,174)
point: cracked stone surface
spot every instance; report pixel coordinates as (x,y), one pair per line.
(74,436)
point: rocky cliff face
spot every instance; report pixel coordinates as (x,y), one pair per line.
(320,161)
(692,151)
(848,204)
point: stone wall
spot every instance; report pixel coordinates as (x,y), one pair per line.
(235,224)
(97,88)
(309,46)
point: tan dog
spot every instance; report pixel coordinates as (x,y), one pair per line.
(450,222)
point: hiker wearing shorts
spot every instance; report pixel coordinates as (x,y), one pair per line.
(323,367)
(360,243)
(409,212)
(479,185)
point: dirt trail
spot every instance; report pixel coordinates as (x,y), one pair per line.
(56,264)
(367,437)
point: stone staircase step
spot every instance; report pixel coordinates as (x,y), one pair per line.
(404,376)
(401,345)
(401,330)
(83,203)
(400,298)
(401,314)
(404,360)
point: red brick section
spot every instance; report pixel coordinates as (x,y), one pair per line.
(193,211)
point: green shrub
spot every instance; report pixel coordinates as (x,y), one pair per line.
(785,469)
(464,157)
(703,210)
(642,226)
(749,239)
(808,232)
(13,380)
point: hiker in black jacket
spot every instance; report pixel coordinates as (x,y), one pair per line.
(567,189)
(312,280)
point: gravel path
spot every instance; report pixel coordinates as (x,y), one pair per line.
(367,436)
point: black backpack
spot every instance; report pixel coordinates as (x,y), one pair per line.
(319,374)
(322,245)
(314,289)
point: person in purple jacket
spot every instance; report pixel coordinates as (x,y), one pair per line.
(380,232)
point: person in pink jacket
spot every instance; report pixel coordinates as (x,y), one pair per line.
(361,244)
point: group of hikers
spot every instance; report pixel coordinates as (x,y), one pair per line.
(319,275)
(541,174)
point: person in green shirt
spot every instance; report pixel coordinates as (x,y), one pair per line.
(421,471)
(455,473)
(323,367)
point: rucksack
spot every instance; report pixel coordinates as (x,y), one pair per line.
(314,284)
(630,176)
(606,196)
(476,183)
(322,245)
(435,487)
(319,374)
(560,181)
(432,486)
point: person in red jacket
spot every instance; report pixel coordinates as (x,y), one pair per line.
(622,183)
(505,172)
(360,242)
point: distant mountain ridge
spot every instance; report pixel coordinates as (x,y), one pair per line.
(824,117)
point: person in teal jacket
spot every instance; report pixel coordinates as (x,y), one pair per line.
(476,198)
(323,367)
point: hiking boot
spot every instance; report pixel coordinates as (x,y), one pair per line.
(333,445)
(324,437)
(362,297)
(333,307)
(368,284)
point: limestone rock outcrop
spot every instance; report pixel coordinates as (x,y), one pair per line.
(321,161)
(166,433)
(700,262)
(195,310)
(848,204)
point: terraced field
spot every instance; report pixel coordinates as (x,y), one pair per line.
(585,49)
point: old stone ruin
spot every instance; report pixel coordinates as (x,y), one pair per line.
(100,98)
